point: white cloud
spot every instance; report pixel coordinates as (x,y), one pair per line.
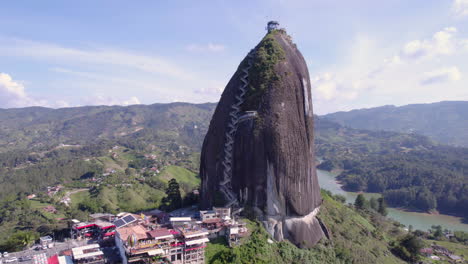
(100,56)
(109,100)
(13,94)
(441,43)
(364,78)
(325,86)
(442,75)
(132,101)
(460,7)
(212,90)
(210,47)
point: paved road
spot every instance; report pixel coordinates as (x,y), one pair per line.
(58,247)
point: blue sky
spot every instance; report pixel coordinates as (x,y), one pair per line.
(359,53)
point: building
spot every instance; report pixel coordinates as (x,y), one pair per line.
(141,242)
(222,212)
(154,237)
(179,221)
(94,229)
(272,25)
(46,242)
(50,209)
(426,252)
(90,254)
(195,240)
(234,231)
(455,258)
(208,215)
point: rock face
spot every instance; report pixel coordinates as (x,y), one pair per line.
(259,153)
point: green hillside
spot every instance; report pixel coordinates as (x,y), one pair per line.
(42,128)
(410,170)
(355,238)
(445,122)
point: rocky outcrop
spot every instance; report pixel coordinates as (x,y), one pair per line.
(259,152)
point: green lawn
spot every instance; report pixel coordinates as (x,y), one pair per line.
(36,204)
(182,175)
(78,197)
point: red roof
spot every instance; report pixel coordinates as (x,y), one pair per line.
(212,221)
(107,227)
(84,226)
(53,260)
(174,232)
(109,234)
(161,232)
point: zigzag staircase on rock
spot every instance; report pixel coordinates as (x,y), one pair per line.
(225,184)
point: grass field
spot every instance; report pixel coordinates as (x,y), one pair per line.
(36,204)
(78,197)
(182,175)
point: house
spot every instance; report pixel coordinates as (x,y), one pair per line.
(50,209)
(441,250)
(141,243)
(208,215)
(455,258)
(97,229)
(426,251)
(90,254)
(178,221)
(46,242)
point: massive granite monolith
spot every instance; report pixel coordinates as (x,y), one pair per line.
(259,150)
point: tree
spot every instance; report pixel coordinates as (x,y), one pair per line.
(408,248)
(382,207)
(89,204)
(437,229)
(360,201)
(173,199)
(340,198)
(20,240)
(374,204)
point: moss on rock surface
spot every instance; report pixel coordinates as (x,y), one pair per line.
(268,53)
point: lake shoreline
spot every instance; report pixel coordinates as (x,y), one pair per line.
(405,209)
(407,216)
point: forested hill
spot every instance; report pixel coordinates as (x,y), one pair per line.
(445,122)
(410,170)
(41,146)
(39,128)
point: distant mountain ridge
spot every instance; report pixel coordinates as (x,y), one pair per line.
(445,122)
(35,128)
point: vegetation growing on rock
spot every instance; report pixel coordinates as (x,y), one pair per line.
(262,74)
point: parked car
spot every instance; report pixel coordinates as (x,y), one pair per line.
(13,259)
(25,258)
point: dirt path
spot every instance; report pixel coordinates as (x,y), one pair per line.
(66,198)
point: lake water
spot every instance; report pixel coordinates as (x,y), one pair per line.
(420,221)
